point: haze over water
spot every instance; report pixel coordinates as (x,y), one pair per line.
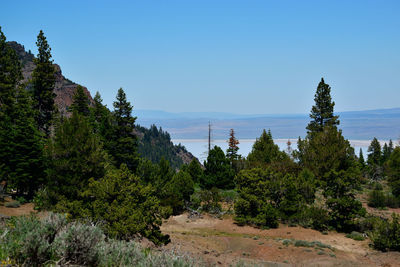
(198,147)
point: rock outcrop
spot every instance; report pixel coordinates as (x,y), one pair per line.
(64,88)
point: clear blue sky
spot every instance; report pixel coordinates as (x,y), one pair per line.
(230,56)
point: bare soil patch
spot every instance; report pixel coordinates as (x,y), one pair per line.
(24,209)
(222,242)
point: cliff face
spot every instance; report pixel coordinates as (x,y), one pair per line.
(64,88)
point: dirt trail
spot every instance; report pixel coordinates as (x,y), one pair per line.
(222,242)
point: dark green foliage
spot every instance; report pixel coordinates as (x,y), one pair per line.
(326,151)
(218,171)
(393,170)
(80,102)
(375,152)
(264,151)
(232,151)
(76,155)
(195,170)
(21,158)
(123,144)
(43,81)
(344,211)
(361,160)
(10,74)
(156,143)
(386,235)
(210,200)
(26,162)
(315,217)
(259,188)
(127,207)
(178,191)
(101,120)
(375,160)
(377,199)
(322,112)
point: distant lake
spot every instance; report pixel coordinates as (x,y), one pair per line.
(198,147)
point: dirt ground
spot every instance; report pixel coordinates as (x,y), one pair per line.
(222,242)
(22,210)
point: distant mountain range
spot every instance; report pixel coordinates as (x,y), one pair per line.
(356,125)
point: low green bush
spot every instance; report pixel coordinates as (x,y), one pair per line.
(13,204)
(30,241)
(314,217)
(356,236)
(379,199)
(386,235)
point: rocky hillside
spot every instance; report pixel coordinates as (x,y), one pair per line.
(64,88)
(152,147)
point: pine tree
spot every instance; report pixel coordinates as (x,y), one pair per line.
(10,75)
(361,159)
(265,151)
(322,112)
(27,160)
(80,102)
(232,151)
(75,155)
(43,79)
(123,145)
(218,171)
(375,152)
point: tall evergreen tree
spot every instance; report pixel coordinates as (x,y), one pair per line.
(265,151)
(322,112)
(27,161)
(218,170)
(375,152)
(80,102)
(75,155)
(10,75)
(361,159)
(232,151)
(124,140)
(43,80)
(101,120)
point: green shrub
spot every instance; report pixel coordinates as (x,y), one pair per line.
(29,241)
(392,201)
(356,236)
(210,200)
(41,200)
(268,217)
(21,200)
(386,236)
(13,204)
(376,199)
(77,244)
(315,217)
(378,186)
